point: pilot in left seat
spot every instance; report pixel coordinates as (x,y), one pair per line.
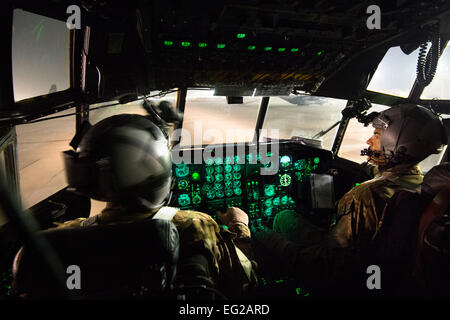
(125,161)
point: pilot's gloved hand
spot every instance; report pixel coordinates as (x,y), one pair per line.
(233,216)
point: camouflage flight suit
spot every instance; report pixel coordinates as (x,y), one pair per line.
(232,272)
(360,216)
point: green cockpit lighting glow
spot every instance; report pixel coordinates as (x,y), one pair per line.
(185,44)
(321,52)
(196,199)
(285,180)
(316,160)
(237,191)
(267,48)
(240,35)
(269,190)
(220,45)
(184,200)
(195,176)
(294,50)
(202,44)
(281,49)
(182,170)
(183,184)
(168,43)
(285,161)
(251,47)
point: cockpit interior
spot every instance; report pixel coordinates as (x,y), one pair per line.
(316,71)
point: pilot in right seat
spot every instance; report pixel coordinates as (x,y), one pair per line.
(404,135)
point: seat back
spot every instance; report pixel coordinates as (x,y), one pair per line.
(431,264)
(120,260)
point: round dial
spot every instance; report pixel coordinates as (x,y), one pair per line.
(181,170)
(285,180)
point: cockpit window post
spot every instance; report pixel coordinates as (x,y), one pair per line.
(82,110)
(340,133)
(261,117)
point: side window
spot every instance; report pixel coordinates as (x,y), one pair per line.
(40,55)
(396,73)
(41,166)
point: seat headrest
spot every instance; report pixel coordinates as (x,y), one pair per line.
(110,257)
(436,179)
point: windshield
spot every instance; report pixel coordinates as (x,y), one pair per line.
(303,116)
(209,119)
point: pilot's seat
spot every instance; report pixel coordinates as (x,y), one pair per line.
(403,243)
(431,259)
(115,261)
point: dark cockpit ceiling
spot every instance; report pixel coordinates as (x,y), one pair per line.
(237,47)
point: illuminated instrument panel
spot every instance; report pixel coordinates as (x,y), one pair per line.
(231,181)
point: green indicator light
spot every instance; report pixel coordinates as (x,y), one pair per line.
(196,199)
(186,44)
(195,176)
(279,281)
(316,160)
(241,35)
(294,50)
(285,160)
(321,52)
(251,47)
(202,45)
(168,43)
(220,45)
(281,49)
(267,48)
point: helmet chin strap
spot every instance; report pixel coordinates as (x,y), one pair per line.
(375,157)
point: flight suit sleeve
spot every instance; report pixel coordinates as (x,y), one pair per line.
(337,257)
